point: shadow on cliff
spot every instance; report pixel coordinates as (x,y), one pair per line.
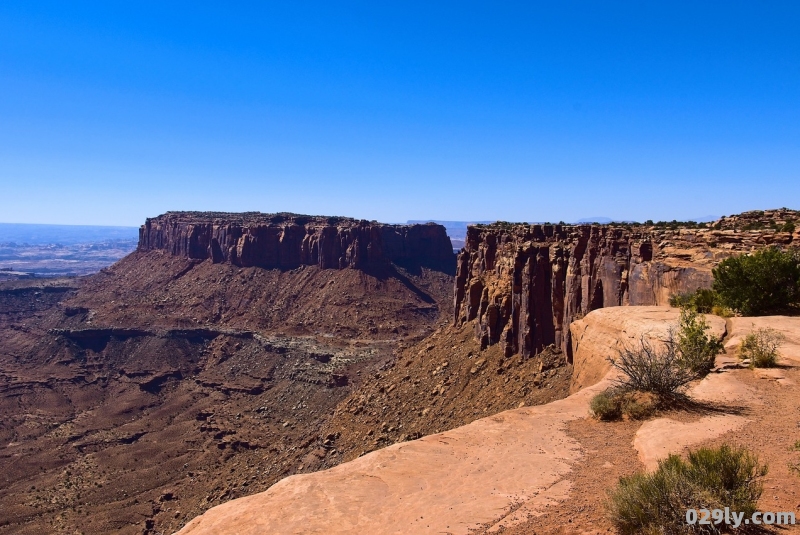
(414,266)
(386,272)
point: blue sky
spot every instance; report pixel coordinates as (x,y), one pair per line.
(111,112)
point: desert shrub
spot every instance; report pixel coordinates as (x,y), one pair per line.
(722,311)
(788,226)
(765,282)
(704,300)
(606,406)
(681,300)
(701,300)
(761,347)
(657,370)
(696,348)
(615,403)
(711,478)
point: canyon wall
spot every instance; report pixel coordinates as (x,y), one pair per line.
(524,284)
(287,241)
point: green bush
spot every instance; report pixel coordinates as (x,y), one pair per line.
(722,311)
(697,350)
(682,300)
(701,300)
(606,406)
(654,376)
(761,347)
(711,478)
(788,226)
(758,284)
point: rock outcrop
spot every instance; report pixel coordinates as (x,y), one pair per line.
(287,241)
(524,284)
(603,332)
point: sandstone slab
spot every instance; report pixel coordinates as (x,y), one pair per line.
(446,483)
(601,333)
(789,326)
(658,438)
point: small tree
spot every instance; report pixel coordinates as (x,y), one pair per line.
(701,300)
(758,284)
(697,349)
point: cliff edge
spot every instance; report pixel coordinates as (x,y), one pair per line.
(524,284)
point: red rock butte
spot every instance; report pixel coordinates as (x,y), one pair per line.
(287,241)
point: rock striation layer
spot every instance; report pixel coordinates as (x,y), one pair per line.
(524,284)
(287,241)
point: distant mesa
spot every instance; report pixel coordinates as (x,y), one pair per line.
(601,220)
(287,240)
(704,218)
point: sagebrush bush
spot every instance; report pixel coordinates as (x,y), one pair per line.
(722,311)
(657,370)
(697,349)
(711,478)
(639,405)
(681,300)
(761,347)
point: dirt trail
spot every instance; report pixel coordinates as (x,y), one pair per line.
(761,406)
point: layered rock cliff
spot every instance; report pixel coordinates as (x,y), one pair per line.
(287,241)
(524,284)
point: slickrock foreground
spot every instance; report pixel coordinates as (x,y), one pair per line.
(452,482)
(445,483)
(657,438)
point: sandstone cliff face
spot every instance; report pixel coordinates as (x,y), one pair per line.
(524,284)
(287,241)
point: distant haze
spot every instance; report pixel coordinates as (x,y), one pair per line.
(56,250)
(32,234)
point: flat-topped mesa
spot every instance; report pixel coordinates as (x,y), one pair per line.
(287,241)
(524,284)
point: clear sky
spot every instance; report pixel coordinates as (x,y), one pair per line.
(111,112)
